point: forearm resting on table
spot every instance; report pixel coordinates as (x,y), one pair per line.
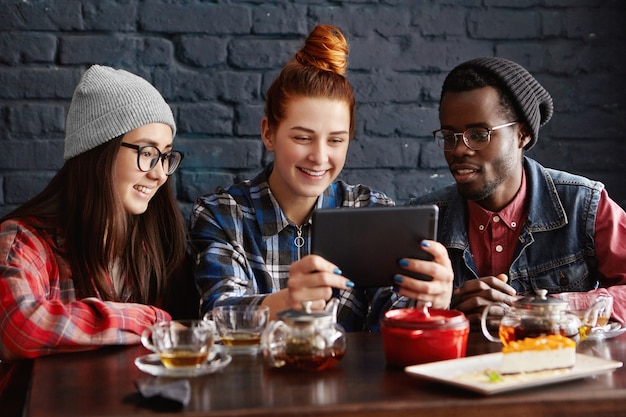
(54,327)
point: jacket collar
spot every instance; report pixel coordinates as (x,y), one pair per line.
(545,210)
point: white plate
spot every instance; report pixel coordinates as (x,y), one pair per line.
(151,364)
(615,329)
(453,371)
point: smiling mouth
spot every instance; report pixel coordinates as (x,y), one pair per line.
(464,175)
(313,173)
(142,189)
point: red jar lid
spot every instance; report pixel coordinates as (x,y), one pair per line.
(425,318)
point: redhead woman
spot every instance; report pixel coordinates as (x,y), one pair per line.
(252,239)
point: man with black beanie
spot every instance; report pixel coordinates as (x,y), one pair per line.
(510,225)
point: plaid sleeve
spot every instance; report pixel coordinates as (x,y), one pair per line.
(39,313)
(225,270)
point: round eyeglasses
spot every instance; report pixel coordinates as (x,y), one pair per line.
(148,156)
(475,138)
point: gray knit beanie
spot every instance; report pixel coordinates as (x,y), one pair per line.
(532,100)
(108,103)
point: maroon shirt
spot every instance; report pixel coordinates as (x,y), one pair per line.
(493,237)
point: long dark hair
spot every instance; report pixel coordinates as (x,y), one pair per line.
(81,211)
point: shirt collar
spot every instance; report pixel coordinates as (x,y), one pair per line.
(273,219)
(512,214)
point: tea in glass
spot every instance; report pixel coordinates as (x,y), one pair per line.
(240,326)
(179,344)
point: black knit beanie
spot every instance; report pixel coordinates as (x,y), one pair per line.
(533,101)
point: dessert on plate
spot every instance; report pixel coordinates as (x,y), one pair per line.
(538,354)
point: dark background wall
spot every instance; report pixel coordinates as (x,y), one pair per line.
(214,60)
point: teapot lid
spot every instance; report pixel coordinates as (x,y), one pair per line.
(541,302)
(307,316)
(423,318)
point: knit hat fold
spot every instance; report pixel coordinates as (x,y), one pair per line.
(108,103)
(533,101)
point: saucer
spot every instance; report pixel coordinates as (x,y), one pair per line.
(612,329)
(151,364)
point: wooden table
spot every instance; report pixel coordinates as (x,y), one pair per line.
(14,380)
(101,383)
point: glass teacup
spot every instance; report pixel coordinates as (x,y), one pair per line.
(180,343)
(240,327)
(594,310)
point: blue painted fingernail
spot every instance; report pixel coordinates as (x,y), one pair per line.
(350,284)
(398,278)
(403,262)
(337,271)
(425,244)
(395,289)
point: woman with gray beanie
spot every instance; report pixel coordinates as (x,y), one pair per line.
(86,262)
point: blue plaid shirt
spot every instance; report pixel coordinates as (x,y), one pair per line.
(244,245)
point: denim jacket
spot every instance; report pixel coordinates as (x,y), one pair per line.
(556,248)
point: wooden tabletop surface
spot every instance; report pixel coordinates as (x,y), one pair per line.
(102,383)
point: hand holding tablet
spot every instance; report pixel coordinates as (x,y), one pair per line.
(367,243)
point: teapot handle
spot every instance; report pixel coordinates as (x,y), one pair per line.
(483,321)
(274,344)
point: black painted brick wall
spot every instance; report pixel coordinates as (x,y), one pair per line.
(214,60)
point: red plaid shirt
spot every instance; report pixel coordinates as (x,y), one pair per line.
(39,312)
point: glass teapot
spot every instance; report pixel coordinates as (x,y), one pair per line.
(305,340)
(533,316)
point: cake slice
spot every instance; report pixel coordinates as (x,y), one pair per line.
(538,354)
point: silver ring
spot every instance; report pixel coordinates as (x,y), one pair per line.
(306,305)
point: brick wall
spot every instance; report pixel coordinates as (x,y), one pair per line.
(214,60)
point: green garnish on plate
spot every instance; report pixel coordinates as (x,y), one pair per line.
(493,376)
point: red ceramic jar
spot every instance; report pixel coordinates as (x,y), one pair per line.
(413,335)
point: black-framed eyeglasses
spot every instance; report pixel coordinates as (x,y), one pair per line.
(148,156)
(475,138)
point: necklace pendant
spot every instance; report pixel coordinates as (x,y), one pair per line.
(298,241)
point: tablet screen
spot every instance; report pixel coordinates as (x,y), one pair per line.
(367,243)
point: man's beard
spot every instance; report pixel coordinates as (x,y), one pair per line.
(480,194)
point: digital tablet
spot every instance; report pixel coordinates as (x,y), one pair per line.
(367,243)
